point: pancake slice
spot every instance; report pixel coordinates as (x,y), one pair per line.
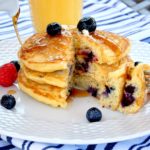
(57,78)
(134,91)
(111,93)
(105,82)
(47,94)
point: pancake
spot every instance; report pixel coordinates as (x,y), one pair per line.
(44,53)
(105,82)
(47,94)
(111,93)
(100,72)
(100,46)
(135,90)
(57,78)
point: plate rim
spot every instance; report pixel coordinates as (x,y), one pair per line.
(75,141)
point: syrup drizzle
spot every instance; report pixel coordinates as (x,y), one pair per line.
(108,42)
(79,93)
(15,20)
(11,92)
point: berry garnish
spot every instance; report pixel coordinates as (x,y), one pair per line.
(54,29)
(16,63)
(93,114)
(136,63)
(87,23)
(8,101)
(8,74)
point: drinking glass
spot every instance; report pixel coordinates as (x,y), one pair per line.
(44,12)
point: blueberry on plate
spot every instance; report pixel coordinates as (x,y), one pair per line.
(94,114)
(8,101)
(16,63)
(54,29)
(87,23)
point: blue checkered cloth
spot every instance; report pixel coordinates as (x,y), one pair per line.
(111,15)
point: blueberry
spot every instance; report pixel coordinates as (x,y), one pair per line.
(93,114)
(8,101)
(85,66)
(108,90)
(87,23)
(82,66)
(136,63)
(54,29)
(16,63)
(93,91)
(127,99)
(130,89)
(89,57)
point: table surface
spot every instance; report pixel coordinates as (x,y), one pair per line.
(111,15)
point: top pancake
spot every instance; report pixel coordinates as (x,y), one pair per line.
(107,47)
(44,53)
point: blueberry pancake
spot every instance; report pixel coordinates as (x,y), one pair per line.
(104,82)
(45,53)
(100,47)
(111,93)
(135,89)
(98,72)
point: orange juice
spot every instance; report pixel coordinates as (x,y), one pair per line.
(44,12)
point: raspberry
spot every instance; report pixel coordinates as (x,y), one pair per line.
(8,74)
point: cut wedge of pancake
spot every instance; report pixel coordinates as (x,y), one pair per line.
(135,89)
(105,82)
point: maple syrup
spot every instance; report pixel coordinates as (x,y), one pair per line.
(107,41)
(79,93)
(15,20)
(11,92)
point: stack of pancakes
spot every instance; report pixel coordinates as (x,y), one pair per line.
(97,62)
(46,68)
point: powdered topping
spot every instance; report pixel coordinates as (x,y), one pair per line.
(85,32)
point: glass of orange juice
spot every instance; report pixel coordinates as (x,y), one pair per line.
(44,12)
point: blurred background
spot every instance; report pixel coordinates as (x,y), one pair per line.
(142,6)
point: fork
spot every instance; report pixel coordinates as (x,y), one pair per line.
(147,79)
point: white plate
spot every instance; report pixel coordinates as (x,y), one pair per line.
(34,121)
